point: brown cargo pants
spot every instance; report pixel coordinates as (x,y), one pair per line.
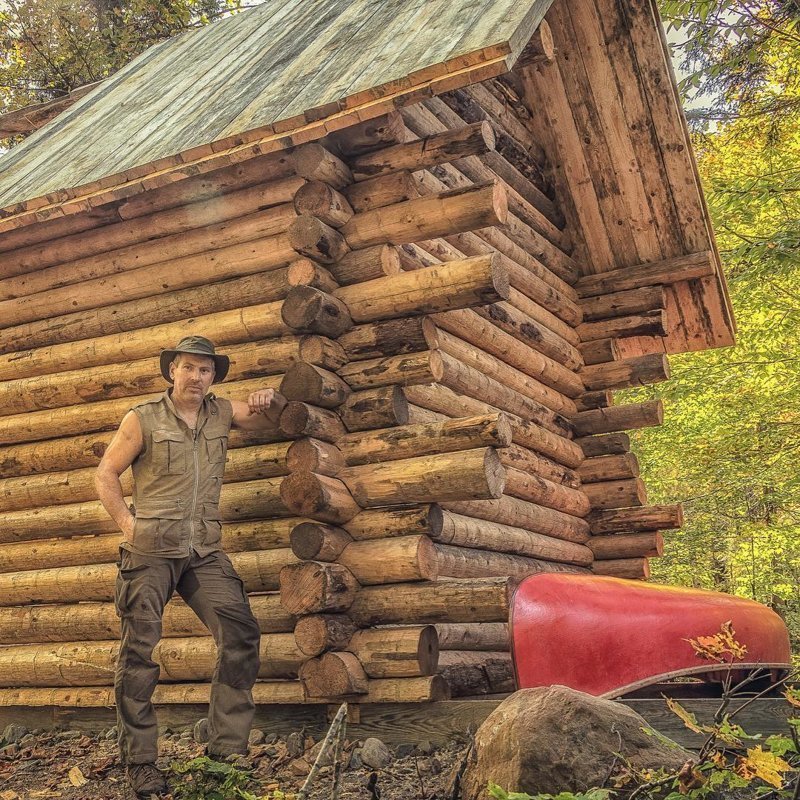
(213,590)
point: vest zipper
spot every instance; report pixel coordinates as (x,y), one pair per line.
(194,495)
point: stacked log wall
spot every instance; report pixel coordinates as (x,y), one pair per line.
(410,288)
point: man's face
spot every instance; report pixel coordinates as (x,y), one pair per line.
(191,376)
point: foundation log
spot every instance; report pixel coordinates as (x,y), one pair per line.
(479,206)
(469,674)
(333,674)
(619,418)
(474,474)
(649,518)
(313,587)
(640,371)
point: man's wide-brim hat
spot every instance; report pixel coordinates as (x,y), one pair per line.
(196,346)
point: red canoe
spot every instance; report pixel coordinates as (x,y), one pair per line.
(606,636)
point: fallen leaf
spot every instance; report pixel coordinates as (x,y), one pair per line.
(689,719)
(762,764)
(76,777)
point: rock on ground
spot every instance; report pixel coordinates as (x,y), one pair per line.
(554,739)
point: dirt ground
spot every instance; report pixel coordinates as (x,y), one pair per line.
(75,766)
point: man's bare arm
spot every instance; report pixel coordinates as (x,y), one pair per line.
(120,454)
(261,412)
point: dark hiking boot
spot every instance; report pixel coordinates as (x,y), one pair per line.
(146,780)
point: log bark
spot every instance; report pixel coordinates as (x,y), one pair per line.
(471,140)
(616,494)
(402,652)
(320,497)
(462,562)
(619,418)
(312,587)
(468,474)
(308,309)
(672,270)
(526,460)
(469,674)
(383,407)
(457,284)
(543,492)
(649,544)
(405,441)
(479,600)
(621,304)
(317,633)
(649,518)
(478,206)
(640,371)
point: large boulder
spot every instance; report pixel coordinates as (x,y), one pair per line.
(553,739)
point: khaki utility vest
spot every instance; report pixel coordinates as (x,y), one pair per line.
(177,478)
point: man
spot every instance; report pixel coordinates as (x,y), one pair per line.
(176,446)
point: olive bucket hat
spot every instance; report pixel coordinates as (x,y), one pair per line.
(196,346)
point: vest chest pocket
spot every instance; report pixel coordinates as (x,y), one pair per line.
(216,448)
(169,453)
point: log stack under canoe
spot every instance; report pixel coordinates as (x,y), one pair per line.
(413,290)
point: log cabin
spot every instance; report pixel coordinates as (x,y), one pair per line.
(447,232)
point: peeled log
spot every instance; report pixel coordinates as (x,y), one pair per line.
(640,371)
(311,237)
(672,270)
(462,562)
(479,206)
(318,199)
(312,587)
(649,518)
(478,600)
(384,190)
(620,304)
(406,441)
(368,264)
(397,560)
(314,163)
(451,145)
(53,455)
(305,272)
(314,455)
(93,663)
(473,636)
(316,541)
(484,535)
(370,134)
(308,494)
(522,514)
(543,492)
(403,370)
(649,323)
(308,309)
(402,652)
(616,494)
(385,523)
(605,445)
(468,474)
(333,675)
(649,544)
(312,384)
(92,621)
(631,568)
(599,351)
(619,418)
(609,468)
(302,419)
(457,284)
(383,407)
(391,337)
(317,633)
